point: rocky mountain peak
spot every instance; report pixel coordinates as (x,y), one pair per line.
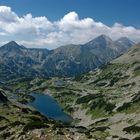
(103,38)
(12,45)
(102,41)
(125,41)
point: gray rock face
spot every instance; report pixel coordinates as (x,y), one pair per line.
(70,60)
(123,44)
(3,98)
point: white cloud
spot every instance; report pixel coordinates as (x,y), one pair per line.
(40,32)
(6,15)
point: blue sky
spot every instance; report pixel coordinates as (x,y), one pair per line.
(106,11)
(52,23)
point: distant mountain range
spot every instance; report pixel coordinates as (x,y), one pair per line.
(19,61)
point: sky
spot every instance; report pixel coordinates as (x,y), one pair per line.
(53,23)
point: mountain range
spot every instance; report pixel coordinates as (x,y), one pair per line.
(17,60)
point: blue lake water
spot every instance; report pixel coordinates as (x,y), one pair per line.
(48,106)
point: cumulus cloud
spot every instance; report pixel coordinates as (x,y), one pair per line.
(40,32)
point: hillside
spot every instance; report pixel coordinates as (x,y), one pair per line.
(18,121)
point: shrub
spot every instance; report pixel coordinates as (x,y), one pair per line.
(132,129)
(35,125)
